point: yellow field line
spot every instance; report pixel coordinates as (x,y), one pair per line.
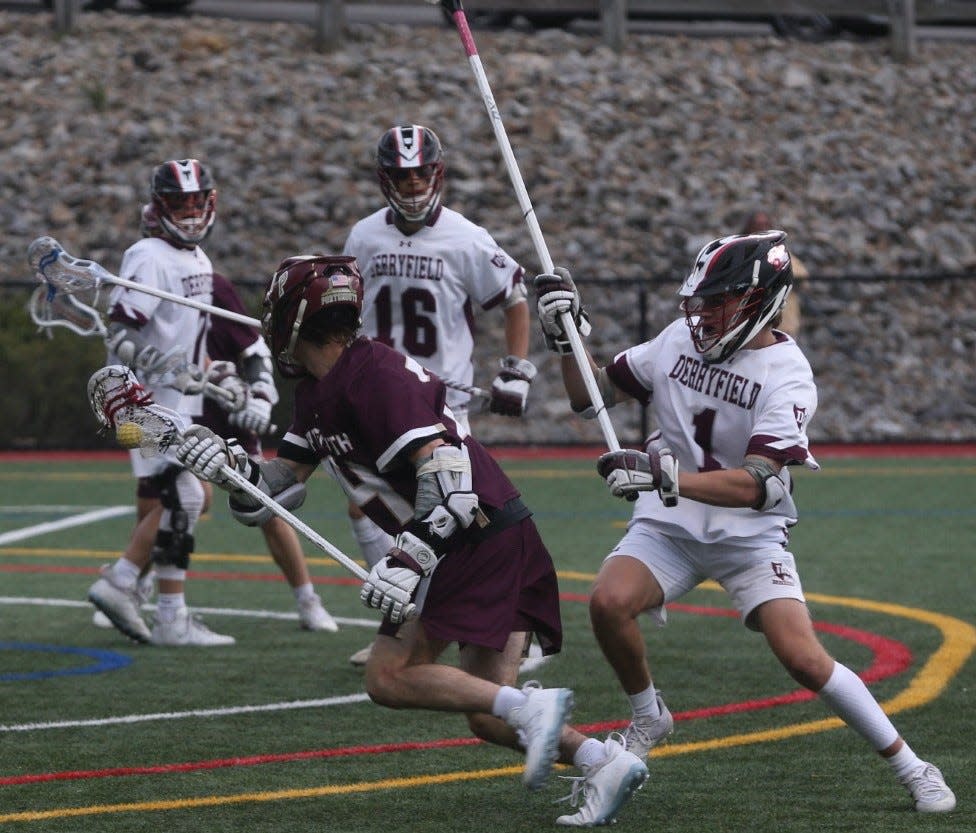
(958,644)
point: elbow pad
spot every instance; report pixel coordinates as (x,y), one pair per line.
(772,488)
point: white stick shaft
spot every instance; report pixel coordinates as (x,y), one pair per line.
(179,299)
(535,232)
(245,485)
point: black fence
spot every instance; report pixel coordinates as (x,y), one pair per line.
(893,357)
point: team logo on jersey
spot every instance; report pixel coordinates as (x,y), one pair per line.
(498,260)
(332,445)
(781,575)
(800,415)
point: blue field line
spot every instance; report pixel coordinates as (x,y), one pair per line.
(106,661)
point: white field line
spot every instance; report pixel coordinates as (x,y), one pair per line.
(210,611)
(65,523)
(142,718)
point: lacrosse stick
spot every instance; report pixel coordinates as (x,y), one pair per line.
(49,308)
(52,264)
(121,404)
(68,274)
(456,11)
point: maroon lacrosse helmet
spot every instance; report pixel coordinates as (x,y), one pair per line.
(301,287)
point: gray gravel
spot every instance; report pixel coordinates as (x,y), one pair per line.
(632,162)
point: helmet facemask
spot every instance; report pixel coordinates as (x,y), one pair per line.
(184,199)
(410,169)
(737,286)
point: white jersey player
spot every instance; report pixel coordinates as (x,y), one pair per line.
(732,397)
(425,270)
(165,343)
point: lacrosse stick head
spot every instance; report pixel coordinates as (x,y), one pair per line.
(122,405)
(49,308)
(65,273)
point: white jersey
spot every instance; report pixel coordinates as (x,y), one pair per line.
(712,415)
(420,289)
(168,325)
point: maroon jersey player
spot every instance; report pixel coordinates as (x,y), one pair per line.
(467,565)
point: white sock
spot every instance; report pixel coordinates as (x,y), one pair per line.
(591,751)
(125,573)
(904,762)
(373,541)
(304,591)
(851,701)
(508,698)
(167,604)
(644,703)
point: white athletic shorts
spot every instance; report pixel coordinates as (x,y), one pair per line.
(750,575)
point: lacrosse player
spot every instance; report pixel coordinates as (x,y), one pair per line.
(241,348)
(146,334)
(733,397)
(466,552)
(425,269)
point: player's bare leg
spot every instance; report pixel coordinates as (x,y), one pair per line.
(624,588)
(788,629)
(286,550)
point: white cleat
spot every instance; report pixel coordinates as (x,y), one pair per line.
(120,606)
(605,787)
(312,616)
(534,659)
(361,657)
(644,733)
(187,630)
(145,589)
(930,791)
(539,723)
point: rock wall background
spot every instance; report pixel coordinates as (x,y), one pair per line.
(632,162)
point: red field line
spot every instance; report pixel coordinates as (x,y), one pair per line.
(890,657)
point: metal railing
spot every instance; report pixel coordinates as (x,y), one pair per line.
(331,19)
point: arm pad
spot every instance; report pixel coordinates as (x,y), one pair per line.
(276,479)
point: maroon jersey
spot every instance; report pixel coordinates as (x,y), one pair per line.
(364,418)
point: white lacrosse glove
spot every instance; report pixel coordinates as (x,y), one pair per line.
(205,454)
(223,375)
(127,344)
(256,414)
(189,379)
(556,294)
(510,390)
(393,581)
(630,472)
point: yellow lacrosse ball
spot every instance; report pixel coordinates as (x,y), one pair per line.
(128,435)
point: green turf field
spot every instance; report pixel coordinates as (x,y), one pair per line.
(275,734)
